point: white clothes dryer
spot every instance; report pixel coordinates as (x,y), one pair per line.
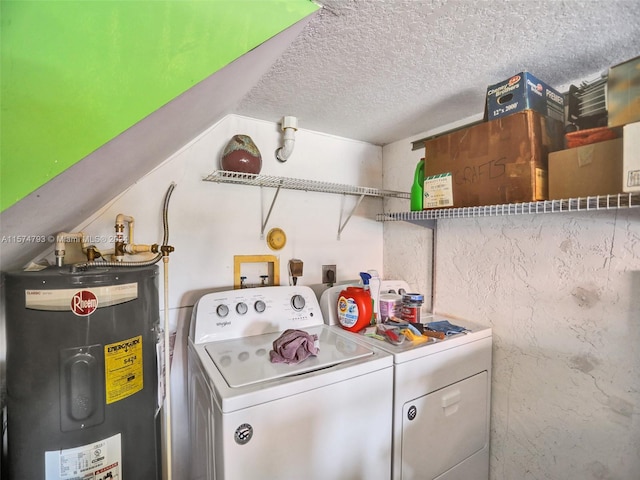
(326,417)
(442,392)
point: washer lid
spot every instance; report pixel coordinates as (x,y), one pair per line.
(246,361)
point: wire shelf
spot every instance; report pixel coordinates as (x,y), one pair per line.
(580,204)
(223,176)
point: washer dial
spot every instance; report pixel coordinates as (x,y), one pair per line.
(260,306)
(297,302)
(222,310)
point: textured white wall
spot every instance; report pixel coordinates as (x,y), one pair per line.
(210,223)
(561,292)
(407,247)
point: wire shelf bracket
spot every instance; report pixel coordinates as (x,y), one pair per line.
(266,220)
(224,176)
(342,225)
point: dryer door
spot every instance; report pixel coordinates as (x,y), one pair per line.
(445,427)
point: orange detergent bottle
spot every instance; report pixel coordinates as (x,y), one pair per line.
(354,308)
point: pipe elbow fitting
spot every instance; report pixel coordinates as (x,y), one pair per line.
(289,127)
(284,152)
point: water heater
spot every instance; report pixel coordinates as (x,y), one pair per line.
(82,375)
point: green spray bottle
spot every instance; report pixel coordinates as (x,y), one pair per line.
(417,187)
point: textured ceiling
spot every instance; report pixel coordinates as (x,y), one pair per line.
(383,70)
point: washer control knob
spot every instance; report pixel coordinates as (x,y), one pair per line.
(242,308)
(260,306)
(297,302)
(222,310)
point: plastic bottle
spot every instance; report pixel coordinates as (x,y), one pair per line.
(365,280)
(366,284)
(374,288)
(354,309)
(417,191)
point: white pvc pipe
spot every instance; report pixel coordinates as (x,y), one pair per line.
(289,127)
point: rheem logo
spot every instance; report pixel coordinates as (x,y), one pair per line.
(84,303)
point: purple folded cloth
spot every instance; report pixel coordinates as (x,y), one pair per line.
(293,346)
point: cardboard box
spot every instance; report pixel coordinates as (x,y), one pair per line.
(492,163)
(594,169)
(623,93)
(524,92)
(631,158)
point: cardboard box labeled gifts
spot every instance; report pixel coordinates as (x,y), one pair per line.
(492,163)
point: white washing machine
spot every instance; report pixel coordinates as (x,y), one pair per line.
(327,417)
(442,392)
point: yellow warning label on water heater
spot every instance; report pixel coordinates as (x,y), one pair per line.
(123,368)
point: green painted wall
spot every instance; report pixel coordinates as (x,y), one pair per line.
(75,74)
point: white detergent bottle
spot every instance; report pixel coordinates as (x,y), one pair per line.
(374,288)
